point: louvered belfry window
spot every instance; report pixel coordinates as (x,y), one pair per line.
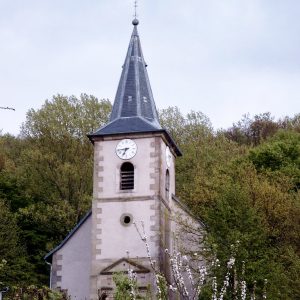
(127,176)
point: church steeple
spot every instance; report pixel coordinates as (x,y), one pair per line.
(134,109)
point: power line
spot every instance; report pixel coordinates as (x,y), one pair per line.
(10,108)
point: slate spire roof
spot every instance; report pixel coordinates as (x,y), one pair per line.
(134,109)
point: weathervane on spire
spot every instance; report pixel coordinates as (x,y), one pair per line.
(135,21)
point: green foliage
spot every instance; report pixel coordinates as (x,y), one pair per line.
(64,117)
(205,155)
(242,182)
(279,156)
(126,288)
(263,216)
(123,287)
(46,176)
(57,163)
(245,193)
(11,190)
(16,268)
(43,226)
(291,123)
(34,293)
(182,128)
(233,219)
(162,287)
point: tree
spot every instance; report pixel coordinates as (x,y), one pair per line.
(243,183)
(291,123)
(46,173)
(264,217)
(12,191)
(43,227)
(174,121)
(253,131)
(238,200)
(279,156)
(57,163)
(205,154)
(16,269)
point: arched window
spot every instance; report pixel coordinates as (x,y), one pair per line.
(167,184)
(127,176)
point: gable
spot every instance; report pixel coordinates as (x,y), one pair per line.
(123,265)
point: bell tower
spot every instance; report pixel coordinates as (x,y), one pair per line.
(134,178)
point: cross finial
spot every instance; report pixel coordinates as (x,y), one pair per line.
(135,9)
(135,21)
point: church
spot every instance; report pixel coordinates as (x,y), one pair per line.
(133,182)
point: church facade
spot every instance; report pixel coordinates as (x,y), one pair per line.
(134,184)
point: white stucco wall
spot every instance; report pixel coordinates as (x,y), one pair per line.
(117,238)
(105,156)
(76,260)
(111,239)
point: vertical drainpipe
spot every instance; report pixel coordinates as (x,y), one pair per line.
(50,283)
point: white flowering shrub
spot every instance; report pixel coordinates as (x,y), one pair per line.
(201,283)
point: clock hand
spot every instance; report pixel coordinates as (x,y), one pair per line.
(125,149)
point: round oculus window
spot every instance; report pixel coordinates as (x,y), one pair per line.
(126,219)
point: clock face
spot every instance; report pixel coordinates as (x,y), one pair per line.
(168,157)
(126,149)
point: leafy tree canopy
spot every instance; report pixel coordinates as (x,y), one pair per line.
(279,156)
(243,182)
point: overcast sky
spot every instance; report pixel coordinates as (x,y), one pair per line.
(222,57)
